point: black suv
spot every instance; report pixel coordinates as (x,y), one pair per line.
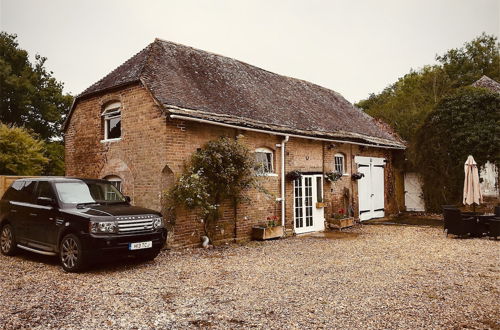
(77,219)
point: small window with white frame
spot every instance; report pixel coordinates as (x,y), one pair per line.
(112,121)
(264,160)
(116,181)
(339,163)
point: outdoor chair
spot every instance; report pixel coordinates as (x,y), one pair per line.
(494,227)
(497,211)
(456,224)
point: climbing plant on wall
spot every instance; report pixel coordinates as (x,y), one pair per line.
(221,170)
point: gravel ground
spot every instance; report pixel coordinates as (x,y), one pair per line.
(368,277)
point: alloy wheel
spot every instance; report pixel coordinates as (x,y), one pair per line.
(69,253)
(6,239)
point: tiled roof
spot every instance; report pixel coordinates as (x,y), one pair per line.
(200,84)
(487,82)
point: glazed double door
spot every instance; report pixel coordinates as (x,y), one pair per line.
(307,192)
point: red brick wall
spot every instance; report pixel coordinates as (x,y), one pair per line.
(154,149)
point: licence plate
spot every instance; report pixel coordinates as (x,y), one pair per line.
(140,245)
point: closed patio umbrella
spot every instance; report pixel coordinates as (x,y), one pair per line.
(472,190)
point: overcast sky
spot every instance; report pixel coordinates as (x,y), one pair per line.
(353,47)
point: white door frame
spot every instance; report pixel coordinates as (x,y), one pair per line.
(306,216)
(371,191)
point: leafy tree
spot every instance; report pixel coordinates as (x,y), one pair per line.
(29,95)
(406,103)
(466,122)
(20,153)
(222,170)
(54,151)
(477,58)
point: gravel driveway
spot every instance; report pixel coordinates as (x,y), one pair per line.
(369,277)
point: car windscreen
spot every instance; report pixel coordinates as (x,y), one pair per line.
(90,192)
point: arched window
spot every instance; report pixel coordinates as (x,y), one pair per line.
(112,121)
(339,163)
(264,159)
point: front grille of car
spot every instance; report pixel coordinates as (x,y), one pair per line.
(135,224)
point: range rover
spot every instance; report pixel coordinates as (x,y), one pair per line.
(78,220)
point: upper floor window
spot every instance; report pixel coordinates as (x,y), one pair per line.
(339,163)
(264,160)
(112,121)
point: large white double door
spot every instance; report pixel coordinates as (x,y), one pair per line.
(371,187)
(307,191)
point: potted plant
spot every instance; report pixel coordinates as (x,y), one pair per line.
(341,220)
(271,229)
(293,175)
(333,176)
(357,176)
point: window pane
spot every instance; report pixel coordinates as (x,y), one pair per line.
(27,192)
(44,190)
(264,162)
(339,164)
(319,190)
(114,128)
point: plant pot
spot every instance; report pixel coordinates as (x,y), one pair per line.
(340,223)
(263,233)
(320,205)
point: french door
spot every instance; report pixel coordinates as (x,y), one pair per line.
(307,191)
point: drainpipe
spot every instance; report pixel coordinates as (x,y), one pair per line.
(283,151)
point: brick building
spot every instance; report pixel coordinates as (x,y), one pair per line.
(139,125)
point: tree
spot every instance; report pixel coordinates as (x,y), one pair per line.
(29,95)
(54,151)
(406,103)
(477,58)
(222,170)
(20,153)
(466,122)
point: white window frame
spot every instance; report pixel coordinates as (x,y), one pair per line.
(111,111)
(344,165)
(266,151)
(115,181)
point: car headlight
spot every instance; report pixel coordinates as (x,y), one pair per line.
(103,227)
(158,223)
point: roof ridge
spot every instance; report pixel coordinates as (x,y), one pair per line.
(246,63)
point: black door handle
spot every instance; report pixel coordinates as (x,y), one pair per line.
(33,214)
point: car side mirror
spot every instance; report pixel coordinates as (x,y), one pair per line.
(127,199)
(46,201)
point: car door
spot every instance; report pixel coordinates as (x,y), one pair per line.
(11,208)
(23,205)
(43,227)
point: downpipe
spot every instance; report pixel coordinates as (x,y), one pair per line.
(283,152)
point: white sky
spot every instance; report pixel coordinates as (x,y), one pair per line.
(352,47)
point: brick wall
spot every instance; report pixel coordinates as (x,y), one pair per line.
(153,150)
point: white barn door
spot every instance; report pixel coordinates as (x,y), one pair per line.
(371,187)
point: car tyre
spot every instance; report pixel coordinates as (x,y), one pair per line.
(71,254)
(8,245)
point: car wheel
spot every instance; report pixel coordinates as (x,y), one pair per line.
(71,254)
(8,245)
